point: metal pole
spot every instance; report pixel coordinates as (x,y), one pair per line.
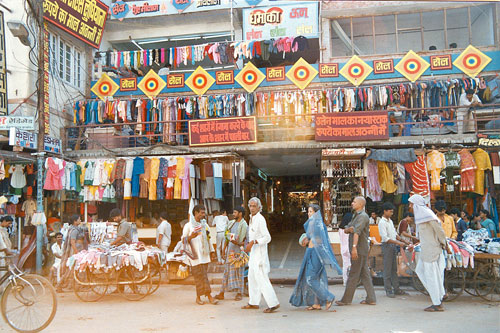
(39,209)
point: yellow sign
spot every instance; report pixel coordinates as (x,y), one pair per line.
(200,81)
(152,84)
(301,74)
(104,87)
(356,70)
(471,61)
(412,66)
(250,77)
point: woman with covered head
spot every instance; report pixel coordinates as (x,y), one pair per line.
(431,263)
(311,288)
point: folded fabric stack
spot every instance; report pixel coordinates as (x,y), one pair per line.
(106,258)
(478,239)
(462,254)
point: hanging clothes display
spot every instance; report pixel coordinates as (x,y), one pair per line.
(483,163)
(467,171)
(419,176)
(452,164)
(435,163)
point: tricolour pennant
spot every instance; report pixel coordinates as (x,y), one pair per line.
(105,87)
(200,81)
(250,77)
(412,66)
(471,61)
(301,74)
(151,84)
(356,70)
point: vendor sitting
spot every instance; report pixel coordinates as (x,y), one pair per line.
(468,101)
(124,234)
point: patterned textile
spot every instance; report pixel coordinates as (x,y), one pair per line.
(467,168)
(435,163)
(233,279)
(419,176)
(201,279)
(483,163)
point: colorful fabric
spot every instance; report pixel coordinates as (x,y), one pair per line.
(435,163)
(483,163)
(467,171)
(419,176)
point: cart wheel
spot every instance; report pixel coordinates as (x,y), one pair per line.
(469,283)
(86,292)
(155,273)
(134,284)
(454,283)
(417,284)
(487,282)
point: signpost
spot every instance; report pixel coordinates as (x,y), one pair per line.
(223,131)
(352,126)
(22,123)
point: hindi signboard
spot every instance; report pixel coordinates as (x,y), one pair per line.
(83,19)
(51,145)
(352,126)
(281,20)
(22,138)
(223,131)
(22,123)
(489,141)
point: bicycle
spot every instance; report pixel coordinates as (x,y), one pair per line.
(29,301)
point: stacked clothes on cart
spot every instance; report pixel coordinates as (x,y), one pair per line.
(107,257)
(462,254)
(481,242)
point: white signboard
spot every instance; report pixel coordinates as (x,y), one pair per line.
(52,145)
(22,123)
(22,138)
(344,152)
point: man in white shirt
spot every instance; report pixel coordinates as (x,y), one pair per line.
(220,221)
(390,242)
(57,251)
(163,233)
(468,101)
(5,244)
(258,264)
(195,233)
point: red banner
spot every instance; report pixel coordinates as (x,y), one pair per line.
(347,126)
(222,131)
(83,19)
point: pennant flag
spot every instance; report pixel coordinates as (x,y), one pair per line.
(471,61)
(301,74)
(412,66)
(200,81)
(105,87)
(356,70)
(250,77)
(151,84)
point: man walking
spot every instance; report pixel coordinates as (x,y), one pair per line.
(390,242)
(358,230)
(431,263)
(258,264)
(163,233)
(220,222)
(236,235)
(195,233)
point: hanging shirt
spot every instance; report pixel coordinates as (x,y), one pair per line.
(483,163)
(17,178)
(435,163)
(386,178)
(419,176)
(138,169)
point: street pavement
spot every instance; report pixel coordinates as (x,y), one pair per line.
(172,308)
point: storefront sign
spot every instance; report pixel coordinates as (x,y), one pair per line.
(275,73)
(46,82)
(51,145)
(119,9)
(383,66)
(347,126)
(22,138)
(3,69)
(489,140)
(441,62)
(207,3)
(175,81)
(224,131)
(280,21)
(128,84)
(224,77)
(328,70)
(344,152)
(83,19)
(22,123)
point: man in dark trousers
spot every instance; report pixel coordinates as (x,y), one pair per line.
(359,232)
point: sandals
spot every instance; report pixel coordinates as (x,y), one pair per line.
(434,308)
(328,305)
(199,302)
(271,310)
(238,297)
(365,302)
(339,303)
(249,306)
(312,308)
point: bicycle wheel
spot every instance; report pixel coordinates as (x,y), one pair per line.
(134,284)
(454,283)
(469,283)
(417,284)
(487,282)
(90,287)
(29,303)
